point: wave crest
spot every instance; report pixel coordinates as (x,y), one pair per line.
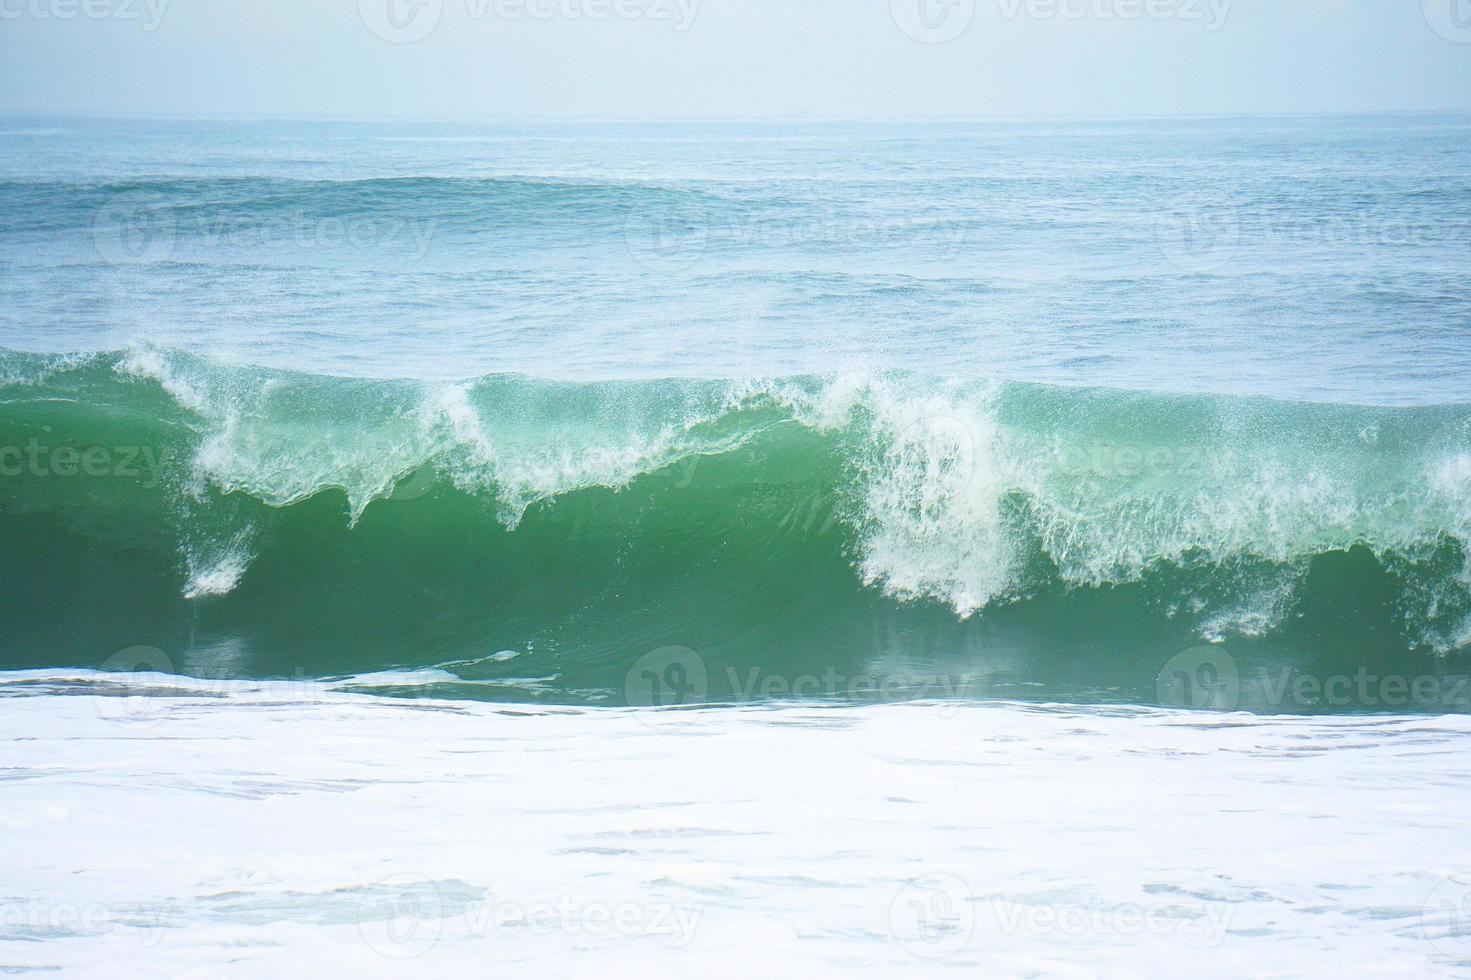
(973,494)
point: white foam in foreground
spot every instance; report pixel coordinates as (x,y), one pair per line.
(232,830)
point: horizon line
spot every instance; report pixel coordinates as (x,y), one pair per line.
(799,117)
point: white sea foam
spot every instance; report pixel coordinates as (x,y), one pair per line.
(932,495)
(422,837)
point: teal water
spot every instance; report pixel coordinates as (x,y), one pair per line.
(600,414)
(1030,549)
(1294,257)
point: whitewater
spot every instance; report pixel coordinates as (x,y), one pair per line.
(200,831)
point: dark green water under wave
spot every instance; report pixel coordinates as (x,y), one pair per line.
(878,536)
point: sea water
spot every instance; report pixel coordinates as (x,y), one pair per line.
(1033,547)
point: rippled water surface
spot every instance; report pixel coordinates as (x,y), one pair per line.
(1319,258)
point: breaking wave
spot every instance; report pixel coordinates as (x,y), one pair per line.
(257,523)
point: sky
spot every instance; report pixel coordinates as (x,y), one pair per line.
(643,59)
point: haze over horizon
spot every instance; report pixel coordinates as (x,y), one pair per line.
(722,59)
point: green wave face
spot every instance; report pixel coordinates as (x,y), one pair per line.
(862,536)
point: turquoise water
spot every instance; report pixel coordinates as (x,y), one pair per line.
(519,538)
(1033,549)
(1300,258)
(1013,410)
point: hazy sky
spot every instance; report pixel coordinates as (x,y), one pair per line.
(719,58)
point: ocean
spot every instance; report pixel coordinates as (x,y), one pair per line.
(1034,548)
